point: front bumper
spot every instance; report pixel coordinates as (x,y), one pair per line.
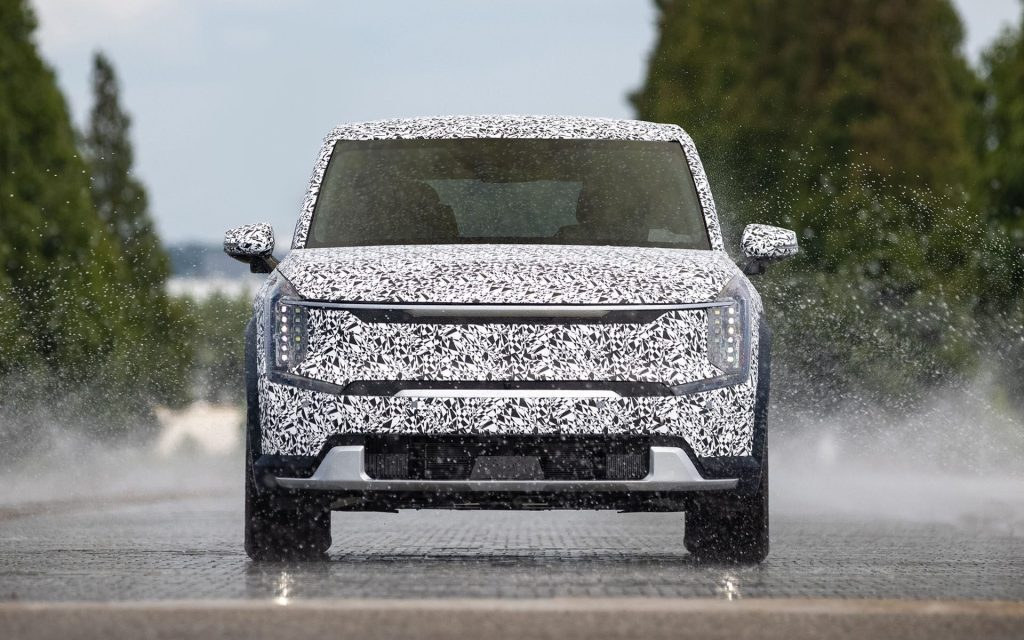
(300,422)
(343,469)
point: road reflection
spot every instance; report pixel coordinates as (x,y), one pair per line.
(542,574)
(283,588)
(729,587)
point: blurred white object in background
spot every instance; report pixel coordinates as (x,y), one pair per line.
(203,288)
(212,428)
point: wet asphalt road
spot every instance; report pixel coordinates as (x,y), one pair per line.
(188,547)
(156,563)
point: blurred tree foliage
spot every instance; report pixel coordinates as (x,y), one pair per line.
(119,198)
(1002,145)
(217,326)
(153,355)
(60,269)
(857,125)
(1001,149)
(71,328)
(58,265)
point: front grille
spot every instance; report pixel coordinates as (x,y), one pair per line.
(387,466)
(370,357)
(626,465)
(477,458)
(441,462)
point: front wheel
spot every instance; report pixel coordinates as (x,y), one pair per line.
(730,529)
(276,532)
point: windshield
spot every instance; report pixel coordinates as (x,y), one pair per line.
(580,192)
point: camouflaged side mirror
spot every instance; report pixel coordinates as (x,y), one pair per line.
(252,244)
(763,244)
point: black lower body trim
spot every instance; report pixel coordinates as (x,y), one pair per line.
(593,448)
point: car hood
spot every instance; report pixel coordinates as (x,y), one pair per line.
(508,274)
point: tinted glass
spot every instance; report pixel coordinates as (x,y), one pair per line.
(606,192)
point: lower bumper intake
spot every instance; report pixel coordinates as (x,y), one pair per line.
(343,469)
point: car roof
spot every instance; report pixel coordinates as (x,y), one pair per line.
(507,126)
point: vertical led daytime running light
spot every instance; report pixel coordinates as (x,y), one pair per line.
(728,331)
(289,334)
(287,330)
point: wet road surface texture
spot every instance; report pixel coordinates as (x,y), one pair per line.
(189,547)
(170,563)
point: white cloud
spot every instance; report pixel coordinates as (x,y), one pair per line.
(67,24)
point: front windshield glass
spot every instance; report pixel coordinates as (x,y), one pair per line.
(580,192)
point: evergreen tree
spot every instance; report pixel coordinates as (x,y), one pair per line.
(120,199)
(153,358)
(57,263)
(1002,189)
(850,123)
(76,346)
(1002,182)
(59,269)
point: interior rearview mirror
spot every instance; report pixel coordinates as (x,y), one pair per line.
(252,244)
(763,244)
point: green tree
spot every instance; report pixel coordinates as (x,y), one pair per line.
(57,263)
(59,268)
(851,123)
(78,346)
(1002,188)
(120,199)
(152,357)
(1002,180)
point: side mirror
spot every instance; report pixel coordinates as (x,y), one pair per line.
(762,244)
(252,244)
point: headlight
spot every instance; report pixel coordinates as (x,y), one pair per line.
(726,344)
(286,331)
(729,330)
(728,340)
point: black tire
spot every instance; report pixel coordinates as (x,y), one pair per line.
(273,532)
(733,528)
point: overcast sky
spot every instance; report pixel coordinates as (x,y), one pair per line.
(230,98)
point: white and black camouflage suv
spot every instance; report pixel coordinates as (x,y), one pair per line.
(508,312)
